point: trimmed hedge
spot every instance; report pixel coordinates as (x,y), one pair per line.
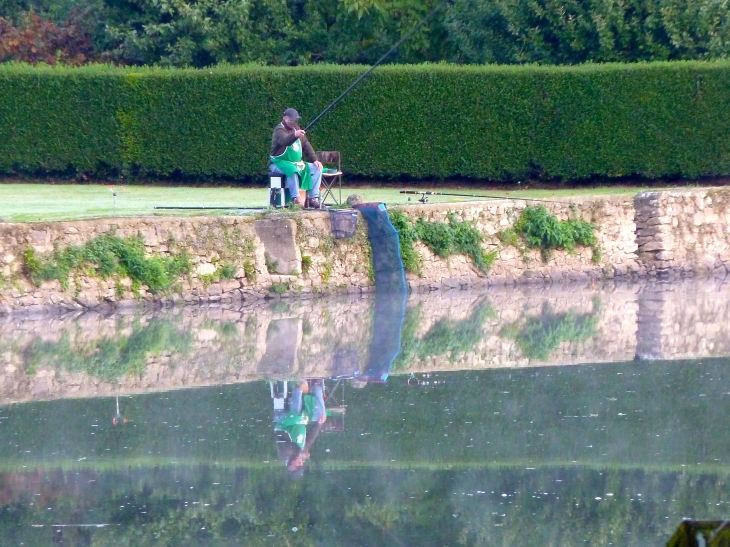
(424,121)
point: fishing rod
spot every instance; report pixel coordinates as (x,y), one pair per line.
(366,73)
(424,199)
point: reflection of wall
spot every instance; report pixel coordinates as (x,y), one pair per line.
(43,358)
(685,320)
(226,346)
(614,308)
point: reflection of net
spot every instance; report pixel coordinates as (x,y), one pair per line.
(390,310)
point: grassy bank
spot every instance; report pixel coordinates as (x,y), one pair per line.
(45,202)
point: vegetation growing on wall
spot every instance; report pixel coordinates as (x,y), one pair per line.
(407,235)
(442,238)
(332,251)
(537,228)
(233,250)
(109,256)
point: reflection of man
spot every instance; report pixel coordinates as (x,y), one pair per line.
(289,147)
(297,430)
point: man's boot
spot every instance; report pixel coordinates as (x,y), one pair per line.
(313,203)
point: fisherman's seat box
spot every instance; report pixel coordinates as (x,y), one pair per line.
(277,189)
(278,194)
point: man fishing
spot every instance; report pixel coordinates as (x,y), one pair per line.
(289,144)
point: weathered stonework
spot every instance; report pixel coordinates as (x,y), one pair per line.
(614,216)
(678,232)
(684,232)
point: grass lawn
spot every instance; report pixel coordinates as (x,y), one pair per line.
(42,202)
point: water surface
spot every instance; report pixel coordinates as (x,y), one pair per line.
(580,415)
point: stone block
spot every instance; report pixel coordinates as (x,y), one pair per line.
(653,246)
(664,255)
(205,268)
(647,231)
(659,220)
(278,236)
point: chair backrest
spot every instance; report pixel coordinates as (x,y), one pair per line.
(330,157)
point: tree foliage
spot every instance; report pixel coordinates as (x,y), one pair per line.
(37,40)
(201,33)
(573,31)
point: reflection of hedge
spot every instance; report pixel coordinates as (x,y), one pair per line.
(220,507)
(513,416)
(652,119)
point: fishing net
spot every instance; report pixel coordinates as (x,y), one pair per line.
(387,262)
(391,291)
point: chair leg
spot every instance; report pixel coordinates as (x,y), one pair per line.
(328,191)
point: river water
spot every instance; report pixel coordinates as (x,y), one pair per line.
(587,414)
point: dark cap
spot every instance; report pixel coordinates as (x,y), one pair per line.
(291,113)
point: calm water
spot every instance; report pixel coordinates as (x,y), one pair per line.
(581,415)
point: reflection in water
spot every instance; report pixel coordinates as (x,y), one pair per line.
(300,413)
(539,336)
(480,436)
(109,356)
(299,423)
(587,454)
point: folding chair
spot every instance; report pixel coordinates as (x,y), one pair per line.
(332,161)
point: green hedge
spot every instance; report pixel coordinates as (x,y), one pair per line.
(425,121)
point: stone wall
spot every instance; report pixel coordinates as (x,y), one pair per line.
(266,252)
(684,232)
(614,216)
(295,254)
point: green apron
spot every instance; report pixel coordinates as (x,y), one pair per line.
(290,163)
(295,425)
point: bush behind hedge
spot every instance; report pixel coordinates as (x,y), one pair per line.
(421,121)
